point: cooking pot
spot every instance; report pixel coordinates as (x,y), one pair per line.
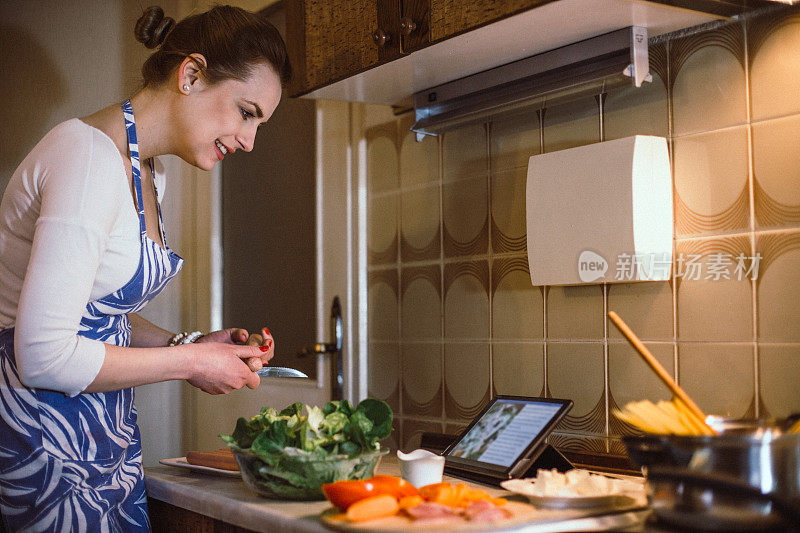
(744,479)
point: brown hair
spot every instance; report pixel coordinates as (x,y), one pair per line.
(232,40)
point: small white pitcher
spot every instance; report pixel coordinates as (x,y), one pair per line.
(421,467)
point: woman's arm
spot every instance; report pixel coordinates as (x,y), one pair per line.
(173,365)
(216,368)
(145,334)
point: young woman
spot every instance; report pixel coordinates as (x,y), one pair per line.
(82,250)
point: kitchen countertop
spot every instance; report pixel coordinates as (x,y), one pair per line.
(227,499)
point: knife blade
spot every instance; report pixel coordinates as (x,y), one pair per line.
(280,372)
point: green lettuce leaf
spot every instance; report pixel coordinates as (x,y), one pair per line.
(337,428)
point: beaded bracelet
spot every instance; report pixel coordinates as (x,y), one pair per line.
(185,337)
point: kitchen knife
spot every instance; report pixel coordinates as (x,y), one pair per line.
(280,372)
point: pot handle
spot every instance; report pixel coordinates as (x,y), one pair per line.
(707,480)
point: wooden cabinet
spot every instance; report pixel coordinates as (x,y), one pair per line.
(335,45)
(329,40)
(452,17)
(166,518)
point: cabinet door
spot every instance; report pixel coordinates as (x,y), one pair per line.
(330,40)
(451,17)
(415,25)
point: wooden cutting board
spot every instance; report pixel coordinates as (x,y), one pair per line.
(222,459)
(522,513)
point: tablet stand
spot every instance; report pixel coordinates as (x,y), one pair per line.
(547,459)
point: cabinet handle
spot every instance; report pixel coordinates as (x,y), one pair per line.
(407,26)
(381,38)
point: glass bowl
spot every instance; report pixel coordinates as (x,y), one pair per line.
(299,475)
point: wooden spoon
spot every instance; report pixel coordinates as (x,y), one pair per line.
(660,371)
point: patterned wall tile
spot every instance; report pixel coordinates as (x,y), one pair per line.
(575,312)
(773,48)
(645,307)
(630,379)
(518,369)
(637,110)
(617,447)
(711,184)
(454,428)
(776,172)
(420,305)
(382,230)
(711,307)
(465,153)
(413,430)
(577,443)
(395,437)
(382,286)
(517,308)
(384,377)
(466,300)
(419,161)
(718,377)
(708,80)
(779,368)
(778,304)
(571,125)
(466,379)
(465,213)
(575,371)
(382,158)
(421,378)
(513,140)
(419,222)
(714,314)
(509,226)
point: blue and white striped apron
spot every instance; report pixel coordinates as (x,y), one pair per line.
(75,464)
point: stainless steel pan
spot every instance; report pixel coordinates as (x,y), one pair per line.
(745,479)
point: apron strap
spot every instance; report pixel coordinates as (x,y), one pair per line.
(158,205)
(136,170)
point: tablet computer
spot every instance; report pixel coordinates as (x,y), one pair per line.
(506,437)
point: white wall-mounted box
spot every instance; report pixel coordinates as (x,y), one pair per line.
(601,213)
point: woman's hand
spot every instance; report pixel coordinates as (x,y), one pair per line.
(219,368)
(264,340)
(241,336)
(227,336)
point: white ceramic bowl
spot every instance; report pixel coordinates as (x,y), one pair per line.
(421,467)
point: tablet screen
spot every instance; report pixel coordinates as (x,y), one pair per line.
(506,430)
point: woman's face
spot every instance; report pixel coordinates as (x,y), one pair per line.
(222,118)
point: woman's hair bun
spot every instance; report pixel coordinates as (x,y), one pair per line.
(152,27)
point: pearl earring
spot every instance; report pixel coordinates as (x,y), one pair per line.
(187,88)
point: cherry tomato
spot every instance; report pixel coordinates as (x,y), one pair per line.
(343,494)
(396,486)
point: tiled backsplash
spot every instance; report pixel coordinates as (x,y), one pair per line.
(453,318)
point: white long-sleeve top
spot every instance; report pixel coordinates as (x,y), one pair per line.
(69,235)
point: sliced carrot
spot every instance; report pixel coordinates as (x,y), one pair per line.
(373,507)
(407,502)
(446,495)
(460,495)
(429,492)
